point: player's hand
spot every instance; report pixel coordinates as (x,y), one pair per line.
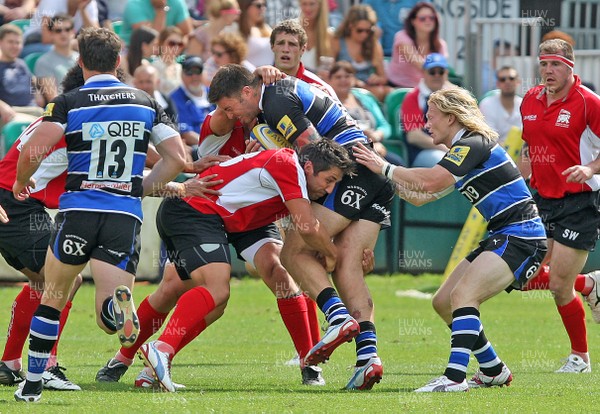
(200,187)
(3,216)
(21,191)
(253,145)
(368,158)
(578,174)
(368,261)
(206,162)
(269,74)
(328,261)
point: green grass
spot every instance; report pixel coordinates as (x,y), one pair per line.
(236,365)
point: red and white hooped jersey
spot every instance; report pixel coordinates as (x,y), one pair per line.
(232,144)
(559,136)
(255,188)
(49,178)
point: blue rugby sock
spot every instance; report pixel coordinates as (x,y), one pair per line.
(465,331)
(332,306)
(42,337)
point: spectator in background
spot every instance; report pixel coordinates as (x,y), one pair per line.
(146,78)
(38,37)
(158,14)
(221,14)
(355,42)
(501,48)
(191,103)
(171,43)
(392,14)
(422,152)
(502,110)
(314,17)
(557,34)
(52,66)
(18,97)
(255,31)
(225,48)
(15,10)
(143,44)
(363,107)
(420,37)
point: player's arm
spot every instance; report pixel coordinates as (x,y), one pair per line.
(194,187)
(172,162)
(46,136)
(310,134)
(311,231)
(524,163)
(419,185)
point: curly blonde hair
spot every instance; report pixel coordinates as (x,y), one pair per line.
(460,103)
(234,44)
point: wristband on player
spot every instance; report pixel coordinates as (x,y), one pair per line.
(388,170)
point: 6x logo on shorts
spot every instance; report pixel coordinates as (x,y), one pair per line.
(73,245)
(352,196)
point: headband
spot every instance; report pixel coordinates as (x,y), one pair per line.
(560,58)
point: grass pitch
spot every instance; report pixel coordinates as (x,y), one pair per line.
(238,364)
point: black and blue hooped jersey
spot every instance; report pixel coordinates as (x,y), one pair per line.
(490,180)
(107,127)
(291,105)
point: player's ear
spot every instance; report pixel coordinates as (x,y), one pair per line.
(246,91)
(308,168)
(451,119)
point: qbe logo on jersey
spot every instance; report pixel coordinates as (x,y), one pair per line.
(113,145)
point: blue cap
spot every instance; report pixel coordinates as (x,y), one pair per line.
(435,60)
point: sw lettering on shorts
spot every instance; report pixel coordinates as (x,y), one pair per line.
(570,234)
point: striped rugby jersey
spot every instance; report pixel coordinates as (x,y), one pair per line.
(490,180)
(107,127)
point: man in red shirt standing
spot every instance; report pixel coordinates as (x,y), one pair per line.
(561,129)
(288,43)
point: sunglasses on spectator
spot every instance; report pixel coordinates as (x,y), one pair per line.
(259,5)
(174,43)
(219,54)
(360,30)
(193,71)
(62,29)
(436,71)
(425,18)
(503,79)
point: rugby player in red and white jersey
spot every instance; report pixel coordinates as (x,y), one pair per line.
(561,130)
(23,244)
(258,189)
(224,136)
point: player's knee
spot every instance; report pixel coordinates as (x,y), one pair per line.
(441,303)
(559,286)
(220,294)
(456,298)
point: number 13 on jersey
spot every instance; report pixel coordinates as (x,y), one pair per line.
(113,147)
